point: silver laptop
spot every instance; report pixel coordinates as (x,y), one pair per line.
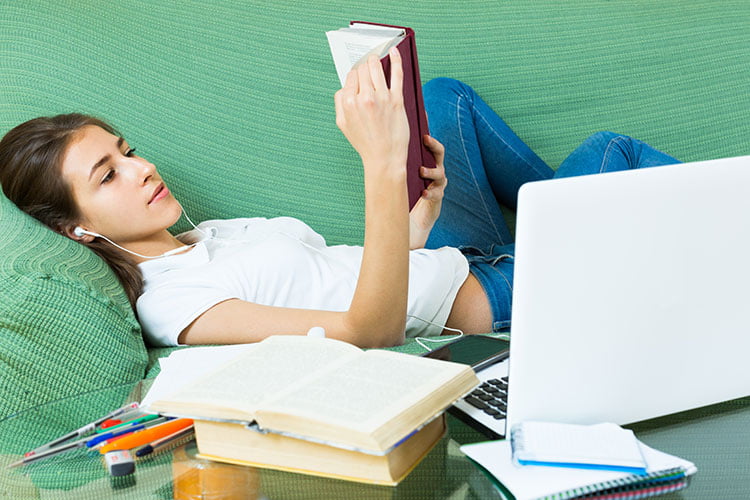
(631,295)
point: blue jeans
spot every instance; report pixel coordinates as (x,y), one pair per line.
(486,163)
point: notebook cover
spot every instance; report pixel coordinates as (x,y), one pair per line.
(419,155)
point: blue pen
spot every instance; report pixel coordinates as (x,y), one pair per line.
(109,435)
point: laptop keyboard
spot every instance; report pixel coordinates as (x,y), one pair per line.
(491,397)
(485,408)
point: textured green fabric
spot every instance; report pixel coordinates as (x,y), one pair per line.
(232,100)
(65,326)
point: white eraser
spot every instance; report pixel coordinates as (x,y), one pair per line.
(317,332)
(119,462)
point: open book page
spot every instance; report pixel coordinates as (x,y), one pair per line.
(372,401)
(351,45)
(182,368)
(235,390)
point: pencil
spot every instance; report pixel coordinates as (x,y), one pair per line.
(161,443)
(49,452)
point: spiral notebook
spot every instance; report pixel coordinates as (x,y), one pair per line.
(665,473)
(604,446)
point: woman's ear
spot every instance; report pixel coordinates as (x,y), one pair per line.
(77,233)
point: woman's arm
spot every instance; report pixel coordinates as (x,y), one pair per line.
(427,209)
(373,119)
(237,321)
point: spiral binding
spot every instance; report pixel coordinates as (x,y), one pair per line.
(630,487)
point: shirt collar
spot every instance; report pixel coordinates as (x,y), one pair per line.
(193,257)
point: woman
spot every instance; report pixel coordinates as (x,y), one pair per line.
(242,280)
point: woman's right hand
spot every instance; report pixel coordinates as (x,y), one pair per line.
(372,116)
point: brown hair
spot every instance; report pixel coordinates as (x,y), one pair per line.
(31,158)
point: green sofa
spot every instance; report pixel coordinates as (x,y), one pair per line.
(233,101)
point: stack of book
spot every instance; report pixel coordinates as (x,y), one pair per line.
(321,406)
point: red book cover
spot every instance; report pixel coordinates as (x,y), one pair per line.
(419,155)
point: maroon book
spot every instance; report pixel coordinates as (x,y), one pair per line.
(419,155)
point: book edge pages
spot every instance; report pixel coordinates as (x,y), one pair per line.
(361,479)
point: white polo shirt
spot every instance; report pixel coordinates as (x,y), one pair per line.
(281,262)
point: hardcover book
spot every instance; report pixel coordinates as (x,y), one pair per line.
(351,45)
(322,406)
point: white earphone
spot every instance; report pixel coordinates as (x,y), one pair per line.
(80,232)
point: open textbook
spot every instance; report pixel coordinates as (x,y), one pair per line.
(321,405)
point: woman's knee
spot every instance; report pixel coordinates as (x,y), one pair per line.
(446,88)
(604,138)
(593,154)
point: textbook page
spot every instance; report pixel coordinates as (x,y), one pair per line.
(351,45)
(234,390)
(182,368)
(382,397)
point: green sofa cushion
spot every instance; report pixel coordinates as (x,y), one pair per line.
(65,326)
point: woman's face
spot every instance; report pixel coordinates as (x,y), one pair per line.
(119,195)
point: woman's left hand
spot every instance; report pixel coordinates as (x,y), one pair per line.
(427,209)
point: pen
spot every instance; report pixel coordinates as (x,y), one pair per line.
(146,436)
(128,429)
(125,417)
(100,438)
(81,431)
(140,420)
(49,452)
(155,446)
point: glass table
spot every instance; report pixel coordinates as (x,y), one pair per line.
(716,438)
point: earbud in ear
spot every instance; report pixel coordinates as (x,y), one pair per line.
(79,232)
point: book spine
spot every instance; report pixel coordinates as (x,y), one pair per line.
(418,154)
(428,160)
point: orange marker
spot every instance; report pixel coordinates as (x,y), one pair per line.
(145,436)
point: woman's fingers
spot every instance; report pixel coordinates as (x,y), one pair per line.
(376,74)
(352,82)
(434,190)
(367,76)
(435,147)
(397,72)
(372,116)
(342,97)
